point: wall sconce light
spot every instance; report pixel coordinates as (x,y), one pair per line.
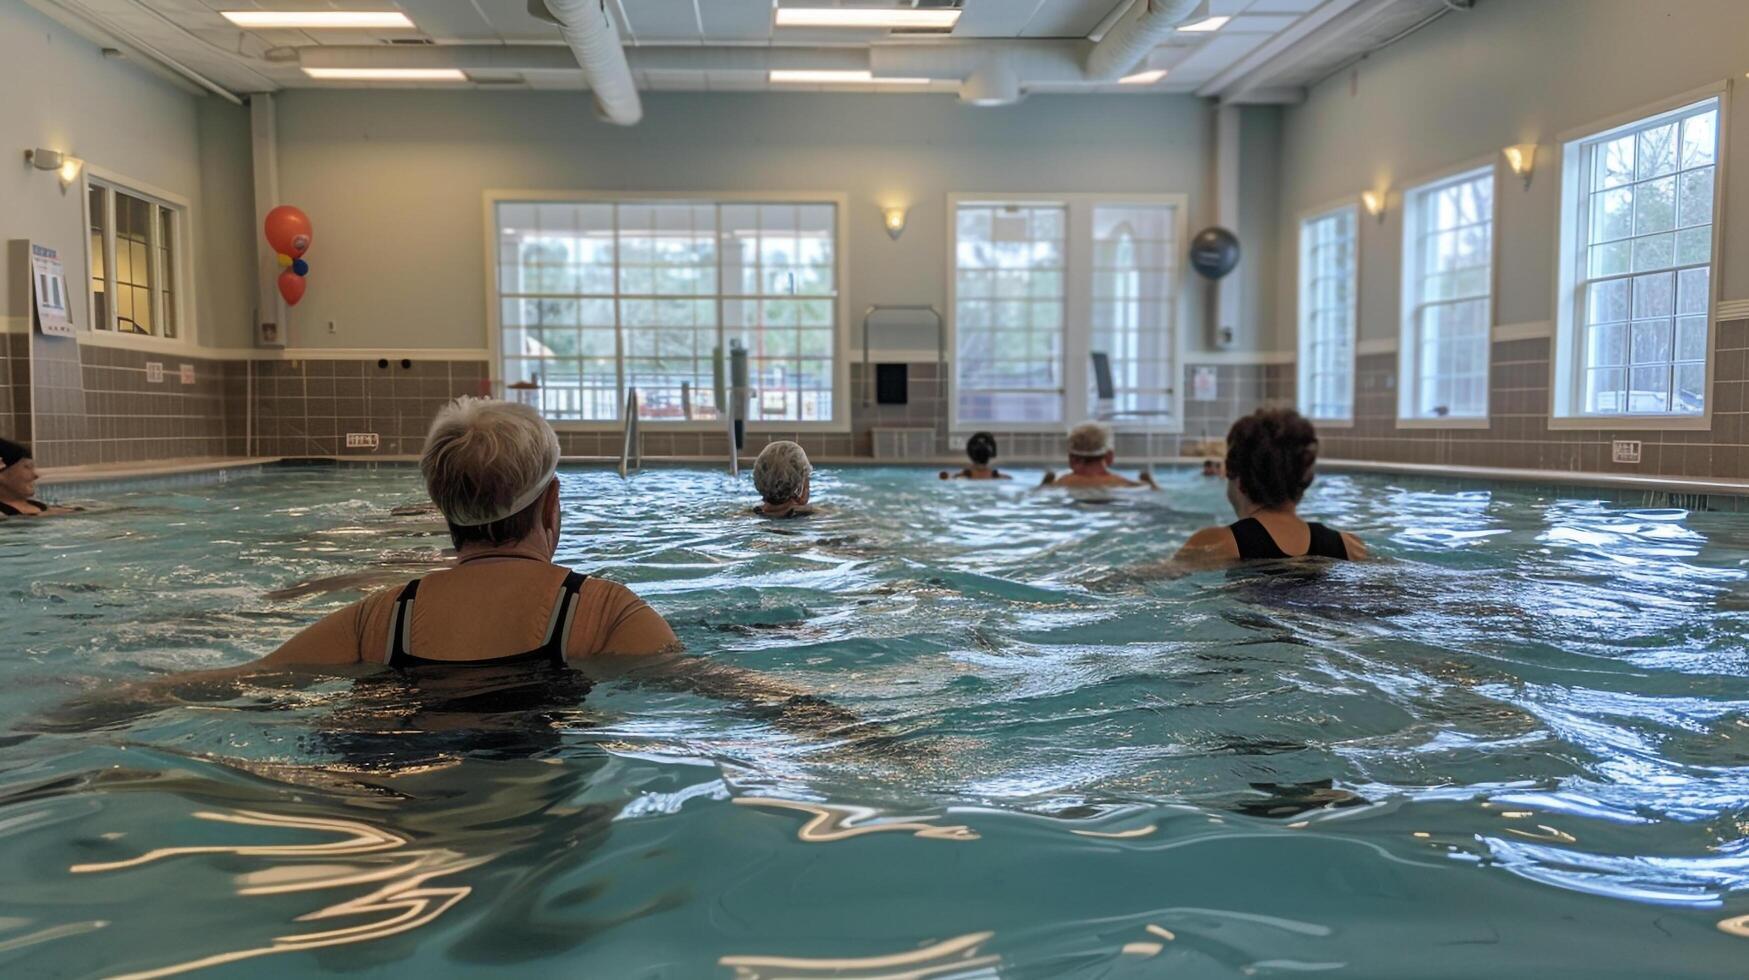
(894,218)
(1521,158)
(1374,202)
(66,164)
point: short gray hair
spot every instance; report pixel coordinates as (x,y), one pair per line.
(780,472)
(487,460)
(1090,440)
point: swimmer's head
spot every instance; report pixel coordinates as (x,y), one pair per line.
(981,448)
(1090,442)
(780,474)
(490,467)
(17,470)
(1270,456)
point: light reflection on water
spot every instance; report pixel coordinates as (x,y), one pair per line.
(1530,719)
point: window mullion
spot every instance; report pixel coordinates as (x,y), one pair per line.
(1074,344)
(110,314)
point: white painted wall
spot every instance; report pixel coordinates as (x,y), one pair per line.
(61,93)
(1510,71)
(392,181)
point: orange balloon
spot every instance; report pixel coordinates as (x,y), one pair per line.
(291,286)
(288,231)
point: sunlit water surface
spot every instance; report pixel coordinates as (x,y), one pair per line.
(1519,742)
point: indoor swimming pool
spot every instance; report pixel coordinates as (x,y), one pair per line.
(1520,741)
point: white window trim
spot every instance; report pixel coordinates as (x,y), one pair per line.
(840,421)
(187,321)
(1406,419)
(1349,204)
(1564,362)
(1077,282)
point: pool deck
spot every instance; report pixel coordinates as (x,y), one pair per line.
(89,479)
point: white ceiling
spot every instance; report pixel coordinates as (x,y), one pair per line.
(1266,46)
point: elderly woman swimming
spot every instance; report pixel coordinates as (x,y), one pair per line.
(18,483)
(780,474)
(491,468)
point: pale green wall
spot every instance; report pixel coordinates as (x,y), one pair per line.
(392,181)
(1510,71)
(63,94)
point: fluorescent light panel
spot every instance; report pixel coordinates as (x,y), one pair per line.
(1143,77)
(812,77)
(865,17)
(317,19)
(387,74)
(1205,25)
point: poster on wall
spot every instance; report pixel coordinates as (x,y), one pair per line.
(1204,386)
(49,283)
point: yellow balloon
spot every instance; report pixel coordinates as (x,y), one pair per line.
(285,261)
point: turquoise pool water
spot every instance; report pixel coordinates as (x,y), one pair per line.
(1519,743)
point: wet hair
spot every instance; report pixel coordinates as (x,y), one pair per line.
(981,448)
(12,452)
(487,465)
(1271,452)
(780,472)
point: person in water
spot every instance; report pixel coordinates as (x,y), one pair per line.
(1271,454)
(980,449)
(1090,459)
(781,475)
(18,483)
(491,468)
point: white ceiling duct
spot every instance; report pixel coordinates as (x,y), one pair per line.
(589,29)
(1138,32)
(995,82)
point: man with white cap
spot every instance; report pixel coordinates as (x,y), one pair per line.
(491,468)
(1090,459)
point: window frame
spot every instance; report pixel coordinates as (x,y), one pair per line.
(180,280)
(1409,276)
(1077,289)
(1350,205)
(840,422)
(1566,361)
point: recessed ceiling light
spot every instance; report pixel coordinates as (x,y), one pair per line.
(812,77)
(865,17)
(332,19)
(1143,77)
(1205,25)
(387,74)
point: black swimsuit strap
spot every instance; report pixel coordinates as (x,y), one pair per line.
(11,511)
(1254,540)
(1327,543)
(552,651)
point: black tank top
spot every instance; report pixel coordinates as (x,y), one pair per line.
(10,511)
(1255,542)
(551,652)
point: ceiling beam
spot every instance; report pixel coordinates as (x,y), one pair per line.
(1306,38)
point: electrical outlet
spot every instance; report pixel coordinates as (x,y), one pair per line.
(957,442)
(1625,451)
(154,373)
(186,373)
(362,440)
(332,327)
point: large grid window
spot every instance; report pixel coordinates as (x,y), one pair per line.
(1135,250)
(1640,246)
(596,297)
(1010,261)
(1448,259)
(135,245)
(1326,315)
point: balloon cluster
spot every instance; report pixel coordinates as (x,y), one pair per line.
(288,231)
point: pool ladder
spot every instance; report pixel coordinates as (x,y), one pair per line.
(631,451)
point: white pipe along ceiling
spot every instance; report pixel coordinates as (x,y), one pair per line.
(588,28)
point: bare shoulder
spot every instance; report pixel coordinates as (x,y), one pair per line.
(1211,542)
(1356,548)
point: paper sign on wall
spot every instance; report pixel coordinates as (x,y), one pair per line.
(49,283)
(1203,387)
(186,374)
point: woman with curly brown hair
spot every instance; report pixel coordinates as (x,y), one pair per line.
(1270,457)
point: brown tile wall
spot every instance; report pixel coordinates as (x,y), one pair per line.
(98,407)
(1518,435)
(57,398)
(15,386)
(306,408)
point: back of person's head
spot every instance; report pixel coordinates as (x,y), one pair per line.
(981,448)
(1271,452)
(12,452)
(487,465)
(1090,440)
(780,474)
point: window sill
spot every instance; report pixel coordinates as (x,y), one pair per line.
(648,426)
(1467,422)
(134,341)
(1331,423)
(1648,423)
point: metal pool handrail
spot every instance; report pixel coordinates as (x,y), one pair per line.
(940,341)
(631,455)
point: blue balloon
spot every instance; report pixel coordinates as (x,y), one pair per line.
(301,267)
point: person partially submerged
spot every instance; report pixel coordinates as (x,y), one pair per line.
(980,449)
(1090,458)
(18,484)
(1271,456)
(782,476)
